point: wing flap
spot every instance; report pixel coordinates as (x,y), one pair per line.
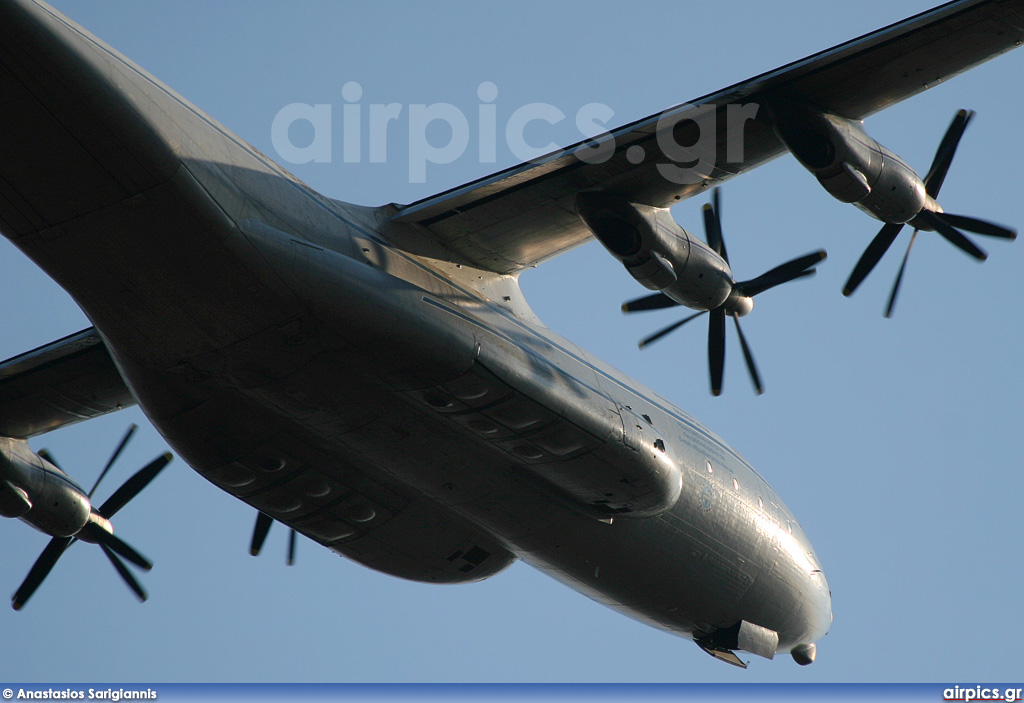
(61,383)
(523,215)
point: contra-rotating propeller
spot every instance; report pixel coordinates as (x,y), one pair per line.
(737,304)
(97,529)
(259,536)
(930,218)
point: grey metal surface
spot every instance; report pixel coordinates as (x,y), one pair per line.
(390,396)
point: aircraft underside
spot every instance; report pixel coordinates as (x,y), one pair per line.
(373,377)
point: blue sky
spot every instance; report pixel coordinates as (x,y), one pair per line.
(896,442)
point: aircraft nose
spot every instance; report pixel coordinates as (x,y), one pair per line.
(822,617)
(817,618)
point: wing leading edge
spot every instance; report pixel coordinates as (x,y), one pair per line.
(523,215)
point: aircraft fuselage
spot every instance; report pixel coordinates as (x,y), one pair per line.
(276,355)
(345,375)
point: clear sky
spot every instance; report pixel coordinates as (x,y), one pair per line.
(897,443)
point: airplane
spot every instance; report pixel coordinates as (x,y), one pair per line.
(489,385)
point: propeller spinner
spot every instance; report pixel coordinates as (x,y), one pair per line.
(739,302)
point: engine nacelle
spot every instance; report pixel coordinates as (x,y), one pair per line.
(57,505)
(656,251)
(849,164)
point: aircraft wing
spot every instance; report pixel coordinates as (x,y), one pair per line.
(525,214)
(58,384)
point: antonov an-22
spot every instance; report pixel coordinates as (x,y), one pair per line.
(373,378)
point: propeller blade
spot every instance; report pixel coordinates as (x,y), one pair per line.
(749,357)
(788,271)
(649,302)
(118,546)
(113,457)
(40,570)
(944,154)
(125,573)
(952,235)
(984,227)
(259,533)
(713,225)
(45,454)
(131,488)
(716,349)
(899,277)
(716,201)
(671,328)
(291,548)
(871,256)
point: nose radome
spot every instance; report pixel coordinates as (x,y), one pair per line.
(804,654)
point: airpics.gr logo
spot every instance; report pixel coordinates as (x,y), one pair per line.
(687,145)
(982,693)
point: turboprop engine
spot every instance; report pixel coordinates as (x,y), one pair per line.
(851,166)
(35,490)
(854,168)
(662,256)
(659,254)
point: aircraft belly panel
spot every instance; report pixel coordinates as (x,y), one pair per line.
(330,493)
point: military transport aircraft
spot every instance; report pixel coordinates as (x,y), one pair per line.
(373,378)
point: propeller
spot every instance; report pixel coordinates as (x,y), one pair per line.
(259,536)
(946,224)
(97,529)
(741,291)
